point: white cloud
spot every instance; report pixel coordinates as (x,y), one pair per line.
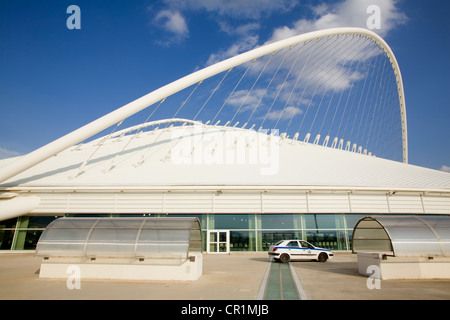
(173,22)
(339,75)
(246,98)
(445,168)
(286,113)
(249,9)
(243,44)
(6,153)
(340,14)
(348,13)
(242,30)
(247,40)
(171,19)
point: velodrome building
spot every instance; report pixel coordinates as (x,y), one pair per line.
(298,138)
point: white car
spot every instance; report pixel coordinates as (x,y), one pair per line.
(287,250)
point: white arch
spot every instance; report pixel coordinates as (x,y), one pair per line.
(133,107)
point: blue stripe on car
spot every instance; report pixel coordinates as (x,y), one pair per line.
(302,248)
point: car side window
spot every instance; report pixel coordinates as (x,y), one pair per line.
(293,244)
(306,244)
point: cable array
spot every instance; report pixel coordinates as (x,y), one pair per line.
(339,89)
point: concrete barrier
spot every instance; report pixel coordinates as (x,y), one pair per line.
(123,269)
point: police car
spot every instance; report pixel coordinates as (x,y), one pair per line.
(287,250)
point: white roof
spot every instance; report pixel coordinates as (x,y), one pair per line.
(181,156)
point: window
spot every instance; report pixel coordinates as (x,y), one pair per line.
(293,244)
(324,221)
(231,221)
(352,219)
(242,241)
(6,239)
(306,245)
(280,221)
(327,239)
(268,238)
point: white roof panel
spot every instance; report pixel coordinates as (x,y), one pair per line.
(220,156)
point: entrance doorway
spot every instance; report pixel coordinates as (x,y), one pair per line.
(218,241)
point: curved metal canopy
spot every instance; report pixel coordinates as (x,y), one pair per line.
(140,237)
(403,235)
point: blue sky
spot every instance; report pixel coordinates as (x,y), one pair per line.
(54,80)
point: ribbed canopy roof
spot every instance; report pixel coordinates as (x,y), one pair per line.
(403,235)
(140,237)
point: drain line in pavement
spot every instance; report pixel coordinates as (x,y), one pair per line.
(298,284)
(262,289)
(280,282)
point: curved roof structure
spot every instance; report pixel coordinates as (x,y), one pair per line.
(188,171)
(180,165)
(403,235)
(183,156)
(122,113)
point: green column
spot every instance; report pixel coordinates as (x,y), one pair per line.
(20,236)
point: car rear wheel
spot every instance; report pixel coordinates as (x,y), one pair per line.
(284,258)
(323,257)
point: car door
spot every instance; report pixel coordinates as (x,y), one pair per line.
(307,250)
(294,250)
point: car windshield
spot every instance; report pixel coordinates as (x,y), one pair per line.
(278,243)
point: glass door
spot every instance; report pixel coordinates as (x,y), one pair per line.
(218,241)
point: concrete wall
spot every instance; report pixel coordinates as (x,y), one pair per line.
(122,269)
(403,267)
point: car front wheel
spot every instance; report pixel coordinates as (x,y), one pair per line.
(323,257)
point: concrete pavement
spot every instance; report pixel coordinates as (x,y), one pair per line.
(238,276)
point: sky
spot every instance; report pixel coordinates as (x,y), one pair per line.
(55,79)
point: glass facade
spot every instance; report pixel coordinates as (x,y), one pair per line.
(247,232)
(22,233)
